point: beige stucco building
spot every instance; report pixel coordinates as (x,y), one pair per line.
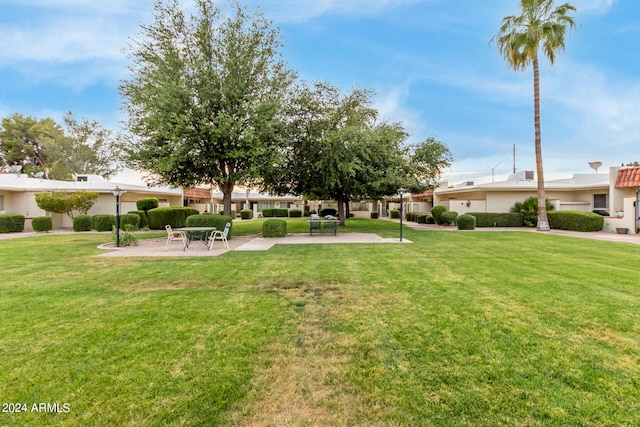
(17,195)
(614,194)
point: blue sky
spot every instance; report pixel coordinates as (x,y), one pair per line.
(429,61)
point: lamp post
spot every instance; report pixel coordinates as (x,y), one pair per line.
(401,193)
(118,192)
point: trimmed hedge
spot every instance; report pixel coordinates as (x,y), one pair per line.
(295,213)
(413,216)
(82,223)
(104,222)
(374,215)
(174,216)
(42,224)
(246,214)
(130,219)
(425,219)
(143,218)
(328,211)
(575,220)
(201,220)
(147,203)
(210,220)
(466,222)
(495,219)
(394,213)
(11,223)
(275,212)
(274,228)
(449,218)
(437,212)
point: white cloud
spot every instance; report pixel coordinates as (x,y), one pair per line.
(304,10)
(62,31)
(392,107)
(593,6)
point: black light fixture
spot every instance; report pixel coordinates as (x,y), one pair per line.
(401,192)
(118,192)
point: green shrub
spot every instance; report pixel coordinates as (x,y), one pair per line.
(143,218)
(274,228)
(42,224)
(147,203)
(466,222)
(127,236)
(437,212)
(174,216)
(104,222)
(210,220)
(11,223)
(129,219)
(246,214)
(201,220)
(268,212)
(575,220)
(82,223)
(449,218)
(328,211)
(423,218)
(295,213)
(412,216)
(374,215)
(495,219)
(394,213)
(529,210)
(281,212)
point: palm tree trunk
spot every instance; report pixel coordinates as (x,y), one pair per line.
(543,221)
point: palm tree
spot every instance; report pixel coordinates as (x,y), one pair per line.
(541,24)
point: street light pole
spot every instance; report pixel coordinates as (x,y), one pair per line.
(117,192)
(401,193)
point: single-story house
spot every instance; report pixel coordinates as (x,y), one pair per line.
(614,194)
(17,195)
(208,200)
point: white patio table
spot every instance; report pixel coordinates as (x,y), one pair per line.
(197,233)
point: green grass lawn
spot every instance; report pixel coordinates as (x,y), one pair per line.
(457,328)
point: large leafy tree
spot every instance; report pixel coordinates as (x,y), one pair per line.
(205,94)
(428,161)
(337,149)
(42,145)
(542,26)
(87,148)
(23,141)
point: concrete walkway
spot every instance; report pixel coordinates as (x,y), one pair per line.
(595,235)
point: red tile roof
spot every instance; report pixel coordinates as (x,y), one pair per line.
(628,177)
(425,194)
(197,193)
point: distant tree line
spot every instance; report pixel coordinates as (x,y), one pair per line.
(42,147)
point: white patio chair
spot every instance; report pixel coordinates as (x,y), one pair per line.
(220,235)
(173,235)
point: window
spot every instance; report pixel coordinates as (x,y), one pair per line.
(600,201)
(1,203)
(265,205)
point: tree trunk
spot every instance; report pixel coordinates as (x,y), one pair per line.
(340,201)
(227,189)
(543,221)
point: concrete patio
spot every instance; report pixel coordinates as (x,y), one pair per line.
(155,247)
